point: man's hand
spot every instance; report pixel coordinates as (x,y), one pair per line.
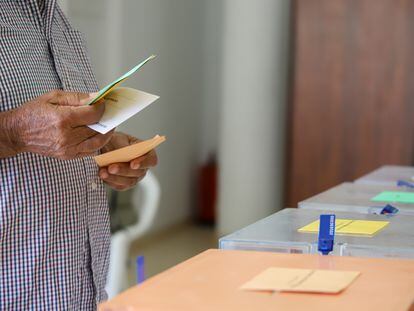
(123,176)
(54,125)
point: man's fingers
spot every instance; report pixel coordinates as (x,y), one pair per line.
(120,140)
(62,98)
(132,139)
(117,187)
(80,113)
(94,143)
(124,169)
(123,187)
(146,161)
(87,115)
(120,182)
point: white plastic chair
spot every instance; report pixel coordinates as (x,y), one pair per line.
(145,200)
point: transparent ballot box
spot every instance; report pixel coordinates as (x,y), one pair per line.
(363,198)
(388,175)
(279,233)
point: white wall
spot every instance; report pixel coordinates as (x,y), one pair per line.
(170,29)
(252,144)
(221,73)
(173,31)
(90,18)
(245,85)
(64,5)
(212,78)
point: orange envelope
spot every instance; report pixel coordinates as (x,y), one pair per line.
(301,280)
(129,153)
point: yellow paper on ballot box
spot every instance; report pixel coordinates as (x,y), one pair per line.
(349,227)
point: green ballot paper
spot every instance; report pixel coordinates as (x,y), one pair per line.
(102,93)
(394,197)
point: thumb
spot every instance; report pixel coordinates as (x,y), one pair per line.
(63,98)
(133,140)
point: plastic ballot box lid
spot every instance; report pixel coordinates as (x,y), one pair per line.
(212,281)
(280,232)
(388,175)
(362,198)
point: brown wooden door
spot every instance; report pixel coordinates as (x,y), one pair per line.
(352,96)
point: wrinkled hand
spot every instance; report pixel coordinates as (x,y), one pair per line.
(54,125)
(123,176)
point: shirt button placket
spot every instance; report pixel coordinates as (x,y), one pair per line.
(94,186)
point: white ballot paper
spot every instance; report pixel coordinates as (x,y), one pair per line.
(121,104)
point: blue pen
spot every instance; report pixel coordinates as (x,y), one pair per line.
(140,269)
(326,235)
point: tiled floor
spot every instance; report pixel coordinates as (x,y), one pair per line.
(169,248)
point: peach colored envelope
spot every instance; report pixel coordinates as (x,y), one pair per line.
(129,153)
(301,280)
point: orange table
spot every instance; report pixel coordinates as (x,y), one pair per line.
(211,281)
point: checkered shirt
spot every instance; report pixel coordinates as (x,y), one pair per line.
(54,222)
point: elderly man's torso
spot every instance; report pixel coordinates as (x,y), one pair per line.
(54,223)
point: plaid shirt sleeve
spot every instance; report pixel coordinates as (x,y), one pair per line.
(54,222)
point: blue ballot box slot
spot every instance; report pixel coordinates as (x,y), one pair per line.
(387,210)
(404,183)
(326,236)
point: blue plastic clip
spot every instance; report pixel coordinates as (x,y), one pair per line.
(404,183)
(326,236)
(140,269)
(389,210)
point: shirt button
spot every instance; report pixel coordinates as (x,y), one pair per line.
(94,185)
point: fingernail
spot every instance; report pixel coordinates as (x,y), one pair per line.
(113,169)
(135,166)
(104,175)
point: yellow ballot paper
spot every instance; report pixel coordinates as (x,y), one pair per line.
(349,227)
(301,280)
(129,153)
(121,102)
(107,89)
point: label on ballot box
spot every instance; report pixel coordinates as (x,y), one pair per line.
(350,227)
(326,235)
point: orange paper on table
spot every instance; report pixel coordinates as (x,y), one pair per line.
(129,153)
(301,280)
